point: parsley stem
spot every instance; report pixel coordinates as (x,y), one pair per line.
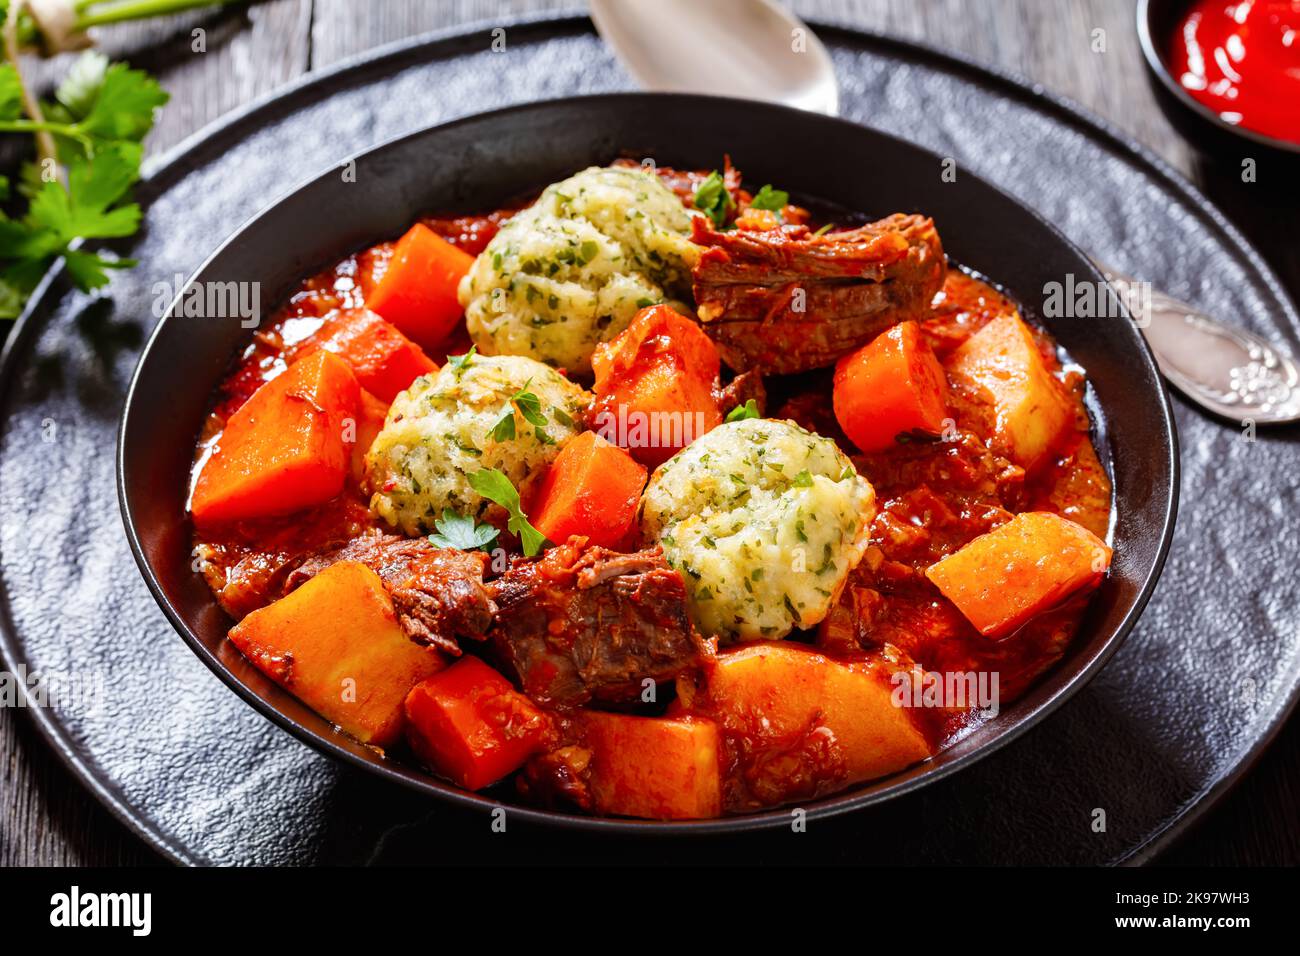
(35,126)
(45,149)
(123,10)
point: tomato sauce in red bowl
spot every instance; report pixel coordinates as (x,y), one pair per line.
(1241,58)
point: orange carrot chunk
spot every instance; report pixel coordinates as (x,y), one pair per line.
(417,292)
(660,768)
(654,385)
(285,448)
(335,643)
(891,386)
(383,359)
(469,725)
(1019,569)
(592,488)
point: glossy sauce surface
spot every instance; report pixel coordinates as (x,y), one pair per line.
(1242,60)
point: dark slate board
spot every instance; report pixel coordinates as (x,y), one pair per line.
(1188,702)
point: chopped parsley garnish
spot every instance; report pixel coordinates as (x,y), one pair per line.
(461,362)
(712,199)
(461,532)
(742,412)
(803,479)
(504,429)
(496,487)
(773,200)
(528,405)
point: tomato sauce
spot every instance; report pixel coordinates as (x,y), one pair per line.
(932,498)
(1242,60)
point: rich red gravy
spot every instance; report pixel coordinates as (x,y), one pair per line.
(1242,60)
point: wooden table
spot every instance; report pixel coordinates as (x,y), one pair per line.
(45,815)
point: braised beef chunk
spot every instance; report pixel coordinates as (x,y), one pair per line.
(438,593)
(785,300)
(584,622)
(557,778)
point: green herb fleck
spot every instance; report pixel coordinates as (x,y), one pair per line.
(742,412)
(530,406)
(504,429)
(773,200)
(712,199)
(459,363)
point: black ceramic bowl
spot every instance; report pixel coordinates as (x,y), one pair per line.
(475,164)
(1157,22)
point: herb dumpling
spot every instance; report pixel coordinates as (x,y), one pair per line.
(506,412)
(571,270)
(764,520)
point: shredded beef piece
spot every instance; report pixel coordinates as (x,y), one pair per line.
(585,622)
(438,593)
(784,300)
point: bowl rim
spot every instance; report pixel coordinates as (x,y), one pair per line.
(867,793)
(1156,66)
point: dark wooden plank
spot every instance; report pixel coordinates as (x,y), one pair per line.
(45,815)
(343,28)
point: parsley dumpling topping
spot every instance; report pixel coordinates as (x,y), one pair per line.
(765,521)
(483,412)
(571,270)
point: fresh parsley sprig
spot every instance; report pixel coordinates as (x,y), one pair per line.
(773,200)
(87,139)
(495,486)
(530,407)
(462,532)
(713,199)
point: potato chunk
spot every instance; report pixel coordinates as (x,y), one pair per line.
(1033,412)
(803,724)
(1019,569)
(660,768)
(336,645)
